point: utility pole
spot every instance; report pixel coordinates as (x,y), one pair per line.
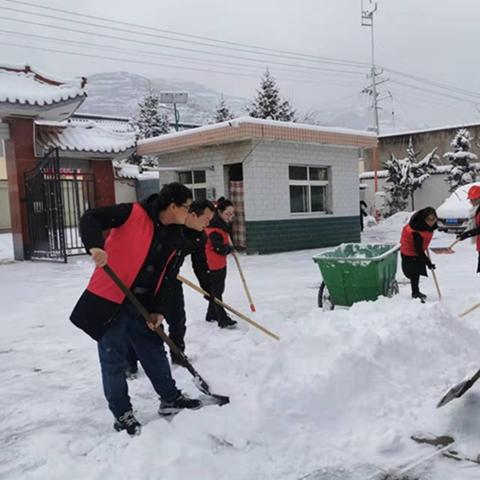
(367,21)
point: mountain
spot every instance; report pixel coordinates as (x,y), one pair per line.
(118,94)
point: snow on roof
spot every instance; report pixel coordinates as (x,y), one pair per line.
(439,169)
(250,120)
(133,171)
(22,85)
(380,174)
(428,130)
(247,127)
(85,137)
(114,124)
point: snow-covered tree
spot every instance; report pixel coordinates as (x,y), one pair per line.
(405,175)
(463,170)
(222,113)
(150,121)
(268,103)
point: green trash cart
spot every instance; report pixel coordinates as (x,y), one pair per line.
(355,272)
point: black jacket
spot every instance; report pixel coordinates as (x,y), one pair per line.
(217,240)
(187,242)
(417,222)
(92,313)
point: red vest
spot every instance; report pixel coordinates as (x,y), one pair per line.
(127,247)
(407,245)
(215,260)
(477,224)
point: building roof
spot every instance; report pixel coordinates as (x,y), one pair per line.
(85,137)
(28,93)
(245,128)
(429,130)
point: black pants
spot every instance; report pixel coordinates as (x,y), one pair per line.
(412,268)
(217,287)
(177,324)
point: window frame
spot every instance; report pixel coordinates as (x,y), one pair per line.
(309,184)
(194,185)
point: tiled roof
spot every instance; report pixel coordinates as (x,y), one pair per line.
(25,86)
(88,137)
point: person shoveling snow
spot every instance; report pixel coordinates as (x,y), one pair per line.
(415,240)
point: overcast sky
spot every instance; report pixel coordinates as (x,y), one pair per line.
(434,39)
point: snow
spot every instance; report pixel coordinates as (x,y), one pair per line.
(83,137)
(337,398)
(133,171)
(28,88)
(250,120)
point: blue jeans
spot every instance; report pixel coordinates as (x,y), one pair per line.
(130,329)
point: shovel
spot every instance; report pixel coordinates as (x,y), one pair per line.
(444,250)
(459,389)
(199,382)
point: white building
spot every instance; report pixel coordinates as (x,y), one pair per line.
(294,186)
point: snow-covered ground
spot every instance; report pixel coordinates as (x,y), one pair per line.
(337,398)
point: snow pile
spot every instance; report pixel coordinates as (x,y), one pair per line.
(337,398)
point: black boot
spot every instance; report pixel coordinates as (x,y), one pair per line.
(227,323)
(128,422)
(421,296)
(182,401)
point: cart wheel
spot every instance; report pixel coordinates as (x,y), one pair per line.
(324,300)
(392,289)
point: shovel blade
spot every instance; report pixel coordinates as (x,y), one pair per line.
(455,392)
(442,250)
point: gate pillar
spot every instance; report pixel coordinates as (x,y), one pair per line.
(20,157)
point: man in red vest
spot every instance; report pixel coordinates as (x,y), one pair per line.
(139,249)
(415,240)
(474,197)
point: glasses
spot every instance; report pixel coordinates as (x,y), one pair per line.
(185,206)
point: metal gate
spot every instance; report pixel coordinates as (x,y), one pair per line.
(55,199)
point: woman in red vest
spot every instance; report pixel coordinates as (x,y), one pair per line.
(474,197)
(415,239)
(217,248)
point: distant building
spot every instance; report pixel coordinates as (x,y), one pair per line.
(424,141)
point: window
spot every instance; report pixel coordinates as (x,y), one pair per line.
(196,181)
(308,189)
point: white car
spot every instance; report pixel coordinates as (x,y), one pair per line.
(455,212)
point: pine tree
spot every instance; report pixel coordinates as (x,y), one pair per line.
(268,103)
(463,170)
(406,175)
(150,121)
(222,114)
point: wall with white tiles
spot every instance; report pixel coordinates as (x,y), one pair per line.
(266,182)
(265,173)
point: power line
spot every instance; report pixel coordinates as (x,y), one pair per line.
(415,87)
(78,43)
(285,53)
(142,42)
(435,83)
(140,62)
(282,53)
